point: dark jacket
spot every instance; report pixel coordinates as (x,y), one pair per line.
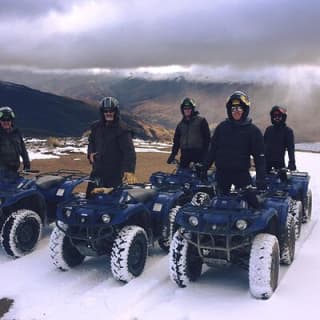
(11,148)
(233,143)
(192,137)
(115,151)
(279,138)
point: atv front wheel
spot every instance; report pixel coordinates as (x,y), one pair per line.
(129,253)
(298,217)
(169,230)
(63,254)
(264,266)
(185,264)
(21,232)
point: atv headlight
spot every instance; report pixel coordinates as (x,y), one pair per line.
(2,200)
(67,212)
(193,221)
(160,179)
(105,218)
(241,224)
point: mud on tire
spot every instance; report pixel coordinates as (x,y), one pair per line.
(21,232)
(129,253)
(185,264)
(307,207)
(264,266)
(63,254)
(288,241)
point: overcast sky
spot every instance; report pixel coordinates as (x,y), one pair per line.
(72,34)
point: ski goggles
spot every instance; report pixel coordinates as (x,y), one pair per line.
(236,108)
(7,115)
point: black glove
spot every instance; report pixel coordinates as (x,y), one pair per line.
(171,158)
(292,167)
(26,166)
(261,185)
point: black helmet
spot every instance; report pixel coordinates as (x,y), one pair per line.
(281,112)
(238,98)
(110,104)
(6,113)
(187,103)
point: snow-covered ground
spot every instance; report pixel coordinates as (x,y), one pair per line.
(41,292)
(39,149)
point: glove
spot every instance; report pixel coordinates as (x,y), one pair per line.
(292,167)
(26,166)
(171,158)
(261,185)
(101,190)
(129,178)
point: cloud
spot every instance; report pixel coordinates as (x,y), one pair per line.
(131,33)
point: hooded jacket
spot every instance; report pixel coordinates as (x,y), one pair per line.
(12,147)
(232,144)
(115,154)
(278,138)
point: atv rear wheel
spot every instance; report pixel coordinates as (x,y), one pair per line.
(264,266)
(129,253)
(62,252)
(307,207)
(288,241)
(185,264)
(21,232)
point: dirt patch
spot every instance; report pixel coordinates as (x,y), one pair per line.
(5,305)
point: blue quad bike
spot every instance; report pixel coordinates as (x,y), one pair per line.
(121,223)
(295,185)
(28,203)
(249,228)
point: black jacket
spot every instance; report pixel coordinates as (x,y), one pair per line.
(233,143)
(11,148)
(191,134)
(278,139)
(115,151)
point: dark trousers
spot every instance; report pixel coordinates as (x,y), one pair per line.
(191,155)
(225,178)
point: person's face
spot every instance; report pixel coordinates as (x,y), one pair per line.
(187,112)
(109,115)
(276,116)
(6,124)
(236,112)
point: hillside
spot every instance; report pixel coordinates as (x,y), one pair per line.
(44,114)
(157,101)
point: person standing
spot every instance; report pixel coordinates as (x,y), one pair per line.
(110,150)
(234,141)
(278,139)
(192,136)
(12,146)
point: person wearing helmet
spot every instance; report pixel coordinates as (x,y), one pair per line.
(192,136)
(12,146)
(110,150)
(234,141)
(278,139)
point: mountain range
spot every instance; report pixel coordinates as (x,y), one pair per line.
(154,104)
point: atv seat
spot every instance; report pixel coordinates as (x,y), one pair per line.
(142,195)
(47,182)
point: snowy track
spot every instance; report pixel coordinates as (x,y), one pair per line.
(41,292)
